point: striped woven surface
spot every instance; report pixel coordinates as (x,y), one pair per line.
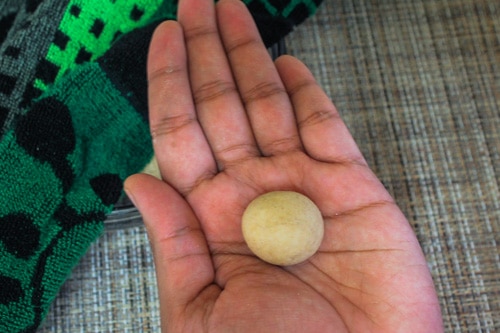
(418,84)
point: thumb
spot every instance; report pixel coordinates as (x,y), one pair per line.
(182,259)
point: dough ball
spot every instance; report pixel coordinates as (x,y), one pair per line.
(283,227)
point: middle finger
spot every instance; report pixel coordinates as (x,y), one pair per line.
(266,100)
(218,105)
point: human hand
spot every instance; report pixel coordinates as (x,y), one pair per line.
(228,124)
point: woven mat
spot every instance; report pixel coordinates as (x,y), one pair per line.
(418,83)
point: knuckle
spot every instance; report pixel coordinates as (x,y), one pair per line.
(200,31)
(212,90)
(318,116)
(171,124)
(262,91)
(302,86)
(235,154)
(165,73)
(288,144)
(241,44)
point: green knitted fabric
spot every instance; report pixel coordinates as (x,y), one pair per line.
(73,126)
(63,165)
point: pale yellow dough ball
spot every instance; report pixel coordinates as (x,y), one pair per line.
(283,227)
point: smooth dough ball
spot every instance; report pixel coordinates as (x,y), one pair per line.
(283,227)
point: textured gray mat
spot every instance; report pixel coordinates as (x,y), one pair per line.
(418,83)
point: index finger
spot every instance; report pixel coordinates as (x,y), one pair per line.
(184,155)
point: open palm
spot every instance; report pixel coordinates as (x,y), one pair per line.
(228,124)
